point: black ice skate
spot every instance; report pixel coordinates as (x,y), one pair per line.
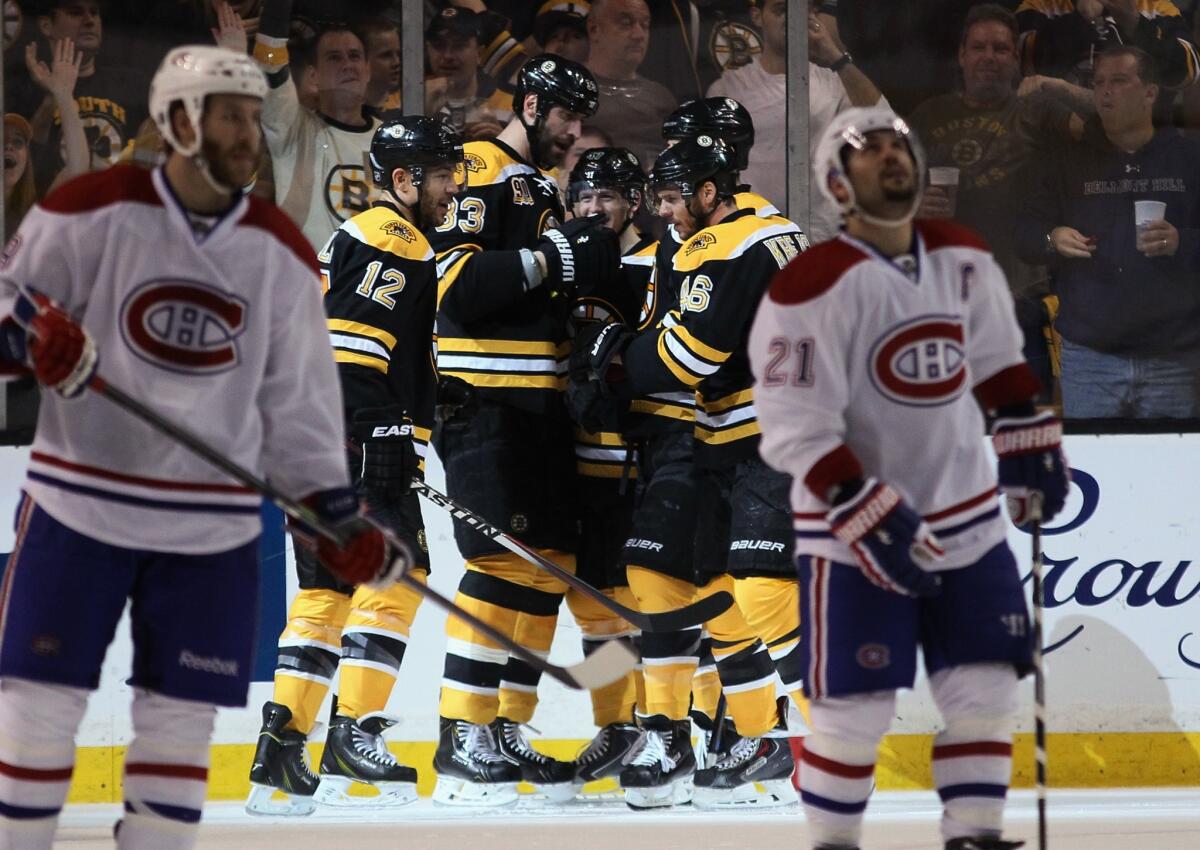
(660,772)
(356,752)
(470,770)
(706,754)
(553,778)
(280,764)
(982,844)
(603,756)
(756,773)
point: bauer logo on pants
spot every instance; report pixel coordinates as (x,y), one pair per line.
(921,362)
(183,326)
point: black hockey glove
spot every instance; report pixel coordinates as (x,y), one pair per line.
(581,254)
(389,459)
(597,396)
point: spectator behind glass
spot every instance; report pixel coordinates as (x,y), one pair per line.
(110,97)
(382,38)
(561,27)
(761,87)
(19,189)
(1060,37)
(632,108)
(589,137)
(318,157)
(1129,310)
(467,99)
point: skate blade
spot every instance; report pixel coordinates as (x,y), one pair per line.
(335,791)
(770,794)
(552,795)
(460,792)
(262,802)
(677,793)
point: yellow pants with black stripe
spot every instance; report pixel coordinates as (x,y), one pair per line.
(670,660)
(771,606)
(506,592)
(367,633)
(617,702)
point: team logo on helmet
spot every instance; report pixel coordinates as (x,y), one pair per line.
(548,66)
(921,362)
(184,326)
(704,141)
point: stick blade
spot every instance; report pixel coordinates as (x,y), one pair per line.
(604,666)
(690,615)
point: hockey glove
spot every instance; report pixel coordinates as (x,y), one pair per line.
(61,353)
(389,459)
(1033,470)
(580,253)
(366,553)
(595,378)
(888,538)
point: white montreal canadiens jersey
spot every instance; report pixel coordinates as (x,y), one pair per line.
(848,350)
(224,335)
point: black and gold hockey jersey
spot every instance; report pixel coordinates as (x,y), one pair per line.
(720,274)
(510,344)
(381,297)
(674,409)
(604,456)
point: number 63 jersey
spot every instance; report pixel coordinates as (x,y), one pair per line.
(866,367)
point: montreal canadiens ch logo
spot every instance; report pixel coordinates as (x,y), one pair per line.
(921,362)
(183,326)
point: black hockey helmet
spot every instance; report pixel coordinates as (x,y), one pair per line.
(693,161)
(413,142)
(557,81)
(607,168)
(722,117)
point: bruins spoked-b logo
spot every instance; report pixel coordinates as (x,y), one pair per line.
(347,191)
(183,326)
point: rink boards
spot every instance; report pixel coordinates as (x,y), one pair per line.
(1123,665)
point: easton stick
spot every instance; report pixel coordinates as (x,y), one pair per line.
(609,663)
(668,621)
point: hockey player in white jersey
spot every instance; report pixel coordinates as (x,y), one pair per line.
(873,355)
(207,305)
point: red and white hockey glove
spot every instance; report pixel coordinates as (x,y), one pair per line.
(1033,470)
(887,538)
(61,353)
(368,553)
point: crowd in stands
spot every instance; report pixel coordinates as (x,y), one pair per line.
(1044,120)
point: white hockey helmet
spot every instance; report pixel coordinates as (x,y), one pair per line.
(851,128)
(191,73)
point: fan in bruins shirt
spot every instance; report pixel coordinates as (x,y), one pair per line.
(381,281)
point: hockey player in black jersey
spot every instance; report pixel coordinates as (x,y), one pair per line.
(742,531)
(510,272)
(381,281)
(608,182)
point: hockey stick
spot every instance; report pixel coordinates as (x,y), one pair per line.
(718,732)
(606,665)
(1039,675)
(667,621)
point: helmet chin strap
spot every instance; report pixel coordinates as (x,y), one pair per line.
(205,169)
(852,205)
(414,210)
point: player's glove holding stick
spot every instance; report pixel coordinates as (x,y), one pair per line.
(56,346)
(580,254)
(887,537)
(365,553)
(1032,468)
(389,458)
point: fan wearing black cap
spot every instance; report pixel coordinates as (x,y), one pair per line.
(511,272)
(458,90)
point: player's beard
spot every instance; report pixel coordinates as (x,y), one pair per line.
(227,171)
(547,154)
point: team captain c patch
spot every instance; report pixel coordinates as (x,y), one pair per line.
(183,326)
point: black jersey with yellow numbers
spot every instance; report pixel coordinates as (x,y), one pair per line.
(674,409)
(720,274)
(381,297)
(510,344)
(604,456)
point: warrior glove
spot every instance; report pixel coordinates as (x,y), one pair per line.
(581,254)
(1033,470)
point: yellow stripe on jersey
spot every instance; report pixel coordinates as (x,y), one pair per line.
(754,201)
(729,240)
(727,419)
(724,403)
(504,346)
(360,329)
(450,265)
(341,356)
(382,229)
(727,435)
(684,413)
(689,359)
(489,164)
(508,381)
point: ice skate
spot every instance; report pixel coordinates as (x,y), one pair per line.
(356,752)
(280,764)
(604,756)
(705,755)
(660,772)
(550,777)
(756,773)
(978,843)
(470,770)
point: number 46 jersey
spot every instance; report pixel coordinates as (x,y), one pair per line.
(381,281)
(866,367)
